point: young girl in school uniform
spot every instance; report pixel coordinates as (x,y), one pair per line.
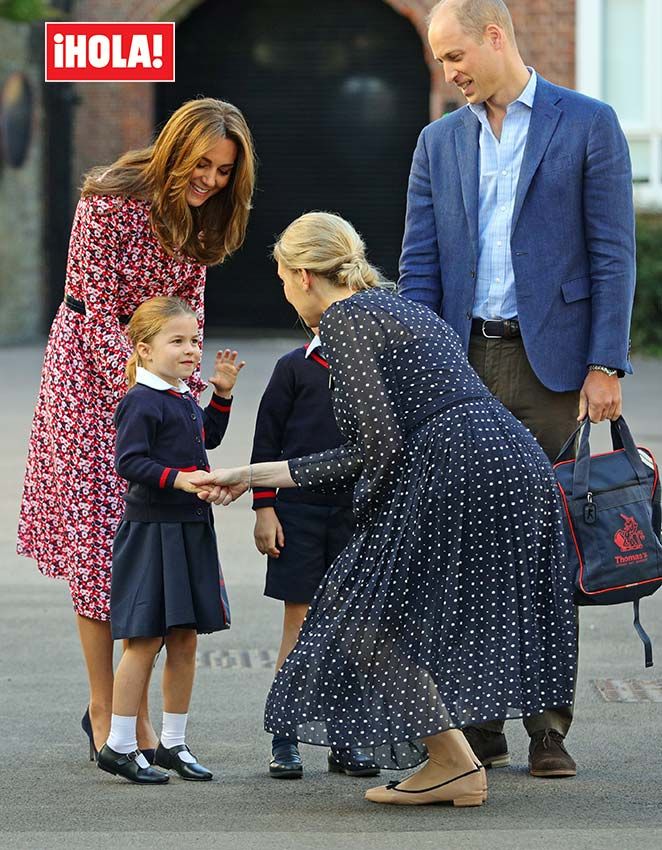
(300,531)
(166,584)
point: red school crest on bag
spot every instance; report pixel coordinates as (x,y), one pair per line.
(630,537)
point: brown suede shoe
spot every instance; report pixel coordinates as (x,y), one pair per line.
(548,757)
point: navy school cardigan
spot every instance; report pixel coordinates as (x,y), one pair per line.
(161,433)
(295,418)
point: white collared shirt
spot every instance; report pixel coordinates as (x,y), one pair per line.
(149,379)
(499,168)
(313,344)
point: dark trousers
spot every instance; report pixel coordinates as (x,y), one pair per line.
(551,417)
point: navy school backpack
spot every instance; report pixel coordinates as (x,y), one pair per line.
(612,512)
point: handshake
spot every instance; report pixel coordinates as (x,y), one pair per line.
(220,486)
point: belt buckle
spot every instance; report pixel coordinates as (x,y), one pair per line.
(488,336)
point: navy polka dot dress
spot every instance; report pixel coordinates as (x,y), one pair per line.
(452,603)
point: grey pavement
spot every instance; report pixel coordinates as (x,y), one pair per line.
(52,797)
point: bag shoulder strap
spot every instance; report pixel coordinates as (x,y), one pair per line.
(648,646)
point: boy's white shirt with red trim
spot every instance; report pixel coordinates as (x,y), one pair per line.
(312,345)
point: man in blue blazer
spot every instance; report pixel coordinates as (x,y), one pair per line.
(520,234)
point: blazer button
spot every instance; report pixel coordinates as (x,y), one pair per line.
(193,416)
(468,314)
(197,439)
(198,511)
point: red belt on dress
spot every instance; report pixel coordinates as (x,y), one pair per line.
(79,307)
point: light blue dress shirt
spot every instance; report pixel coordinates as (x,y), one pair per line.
(500,163)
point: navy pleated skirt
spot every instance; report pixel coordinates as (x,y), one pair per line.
(166,575)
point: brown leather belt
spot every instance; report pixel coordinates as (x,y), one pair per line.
(79,307)
(496,328)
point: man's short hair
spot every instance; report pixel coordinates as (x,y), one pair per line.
(474,15)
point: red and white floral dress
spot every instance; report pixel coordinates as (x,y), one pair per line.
(72,497)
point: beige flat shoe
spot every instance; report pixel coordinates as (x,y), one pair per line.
(483,777)
(467,789)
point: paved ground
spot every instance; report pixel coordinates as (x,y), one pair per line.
(52,797)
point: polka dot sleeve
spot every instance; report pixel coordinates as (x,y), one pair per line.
(362,397)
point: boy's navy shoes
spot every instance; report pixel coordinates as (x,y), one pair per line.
(286,760)
(351,762)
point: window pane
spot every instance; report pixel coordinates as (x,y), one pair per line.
(640,152)
(624,76)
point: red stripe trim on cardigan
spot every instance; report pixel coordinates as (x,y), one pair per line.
(175,393)
(187,468)
(222,407)
(265,494)
(319,359)
(164,477)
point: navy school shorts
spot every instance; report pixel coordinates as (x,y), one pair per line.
(314,536)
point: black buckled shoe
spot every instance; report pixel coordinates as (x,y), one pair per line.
(170,760)
(491,748)
(124,764)
(351,762)
(286,760)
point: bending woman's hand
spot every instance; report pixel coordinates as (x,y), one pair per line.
(221,486)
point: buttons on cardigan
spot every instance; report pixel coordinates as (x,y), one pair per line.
(193,416)
(198,511)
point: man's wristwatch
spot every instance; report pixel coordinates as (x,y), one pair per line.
(596,367)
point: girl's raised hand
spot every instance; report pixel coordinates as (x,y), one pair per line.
(226,370)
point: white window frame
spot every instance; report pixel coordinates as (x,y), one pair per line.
(589,58)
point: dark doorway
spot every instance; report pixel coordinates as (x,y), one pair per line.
(335,93)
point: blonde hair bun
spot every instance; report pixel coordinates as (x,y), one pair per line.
(327,245)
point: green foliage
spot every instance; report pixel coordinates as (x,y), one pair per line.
(25,11)
(647,315)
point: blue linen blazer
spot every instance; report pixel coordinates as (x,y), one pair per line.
(572,234)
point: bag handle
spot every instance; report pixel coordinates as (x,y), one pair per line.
(565,452)
(621,438)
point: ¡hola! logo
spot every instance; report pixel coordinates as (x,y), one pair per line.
(109,52)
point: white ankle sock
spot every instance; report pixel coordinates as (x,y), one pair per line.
(122,737)
(174,733)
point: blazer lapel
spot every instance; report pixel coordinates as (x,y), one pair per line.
(466,148)
(544,118)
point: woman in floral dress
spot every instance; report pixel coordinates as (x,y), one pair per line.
(147,225)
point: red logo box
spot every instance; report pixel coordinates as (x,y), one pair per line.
(109,52)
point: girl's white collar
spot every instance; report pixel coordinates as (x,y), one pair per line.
(149,379)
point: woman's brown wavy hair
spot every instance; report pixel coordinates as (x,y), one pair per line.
(160,174)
